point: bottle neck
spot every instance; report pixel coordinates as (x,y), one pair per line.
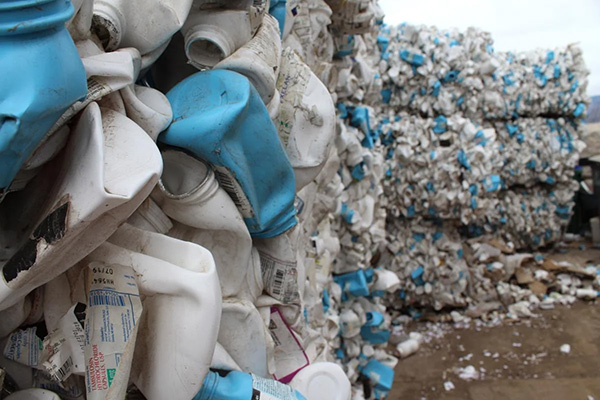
(187,179)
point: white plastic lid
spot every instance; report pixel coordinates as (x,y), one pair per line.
(322,381)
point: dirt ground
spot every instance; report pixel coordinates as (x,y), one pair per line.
(518,361)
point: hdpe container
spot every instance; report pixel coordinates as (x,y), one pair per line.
(323,381)
(244,335)
(306,118)
(236,385)
(259,59)
(213,34)
(108,168)
(182,309)
(203,212)
(42,75)
(219,117)
(144,24)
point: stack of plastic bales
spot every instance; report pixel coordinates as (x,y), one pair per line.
(492,138)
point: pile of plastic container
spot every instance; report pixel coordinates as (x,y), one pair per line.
(217,199)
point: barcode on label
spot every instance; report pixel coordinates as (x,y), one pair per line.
(106,298)
(60,373)
(278,282)
(235,191)
(280,278)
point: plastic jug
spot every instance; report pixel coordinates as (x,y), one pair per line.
(219,118)
(244,335)
(214,34)
(108,168)
(204,213)
(306,120)
(143,24)
(106,73)
(182,308)
(258,60)
(323,381)
(28,310)
(42,76)
(148,108)
(235,385)
(222,360)
(150,217)
(371,330)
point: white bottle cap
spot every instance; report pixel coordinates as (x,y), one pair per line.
(322,381)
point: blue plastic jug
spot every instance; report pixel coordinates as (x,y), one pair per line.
(219,117)
(236,385)
(42,75)
(277,8)
(371,331)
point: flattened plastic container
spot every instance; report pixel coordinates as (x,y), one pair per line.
(219,117)
(245,336)
(182,309)
(204,213)
(42,75)
(259,59)
(108,168)
(306,119)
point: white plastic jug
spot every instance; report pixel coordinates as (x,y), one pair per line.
(57,301)
(323,381)
(244,335)
(182,307)
(306,120)
(143,24)
(108,168)
(29,310)
(203,212)
(259,59)
(222,360)
(214,34)
(150,217)
(148,108)
(106,73)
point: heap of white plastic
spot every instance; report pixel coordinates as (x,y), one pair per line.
(444,157)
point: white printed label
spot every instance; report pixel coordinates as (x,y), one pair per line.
(23,346)
(292,82)
(269,389)
(289,354)
(234,190)
(114,307)
(96,90)
(65,347)
(280,278)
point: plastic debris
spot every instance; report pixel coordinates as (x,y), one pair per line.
(254,199)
